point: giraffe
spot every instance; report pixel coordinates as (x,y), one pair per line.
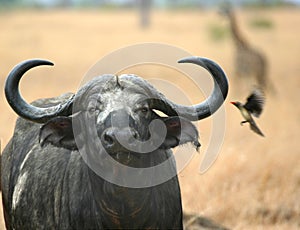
(249,62)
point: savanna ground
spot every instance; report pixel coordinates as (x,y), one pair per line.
(255,181)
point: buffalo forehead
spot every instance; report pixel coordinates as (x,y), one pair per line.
(110,95)
(109,83)
(116,97)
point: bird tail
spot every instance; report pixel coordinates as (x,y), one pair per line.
(255,128)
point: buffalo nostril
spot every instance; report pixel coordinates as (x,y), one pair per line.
(108,139)
(135,134)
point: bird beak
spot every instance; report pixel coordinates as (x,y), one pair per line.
(234,103)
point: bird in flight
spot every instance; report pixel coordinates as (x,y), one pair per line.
(253,106)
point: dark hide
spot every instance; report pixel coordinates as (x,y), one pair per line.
(49,186)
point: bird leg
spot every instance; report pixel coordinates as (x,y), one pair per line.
(242,122)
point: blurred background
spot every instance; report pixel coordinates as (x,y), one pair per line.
(255,181)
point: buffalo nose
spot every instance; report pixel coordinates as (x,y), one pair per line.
(118,139)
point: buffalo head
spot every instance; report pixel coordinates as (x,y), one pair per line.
(120,111)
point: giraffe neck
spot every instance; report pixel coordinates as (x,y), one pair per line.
(236,34)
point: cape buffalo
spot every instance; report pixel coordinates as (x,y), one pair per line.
(100,158)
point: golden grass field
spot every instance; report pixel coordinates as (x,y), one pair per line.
(255,181)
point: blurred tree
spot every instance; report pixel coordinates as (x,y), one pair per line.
(8,2)
(66,3)
(144,8)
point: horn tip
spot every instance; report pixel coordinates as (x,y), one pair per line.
(190,59)
(45,62)
(33,63)
(183,60)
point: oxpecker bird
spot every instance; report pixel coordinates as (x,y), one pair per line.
(253,106)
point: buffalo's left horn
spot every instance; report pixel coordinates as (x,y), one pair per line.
(205,108)
(20,106)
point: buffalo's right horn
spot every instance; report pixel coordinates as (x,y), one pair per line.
(20,106)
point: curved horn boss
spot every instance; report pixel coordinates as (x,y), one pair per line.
(20,106)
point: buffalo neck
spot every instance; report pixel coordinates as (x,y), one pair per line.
(128,207)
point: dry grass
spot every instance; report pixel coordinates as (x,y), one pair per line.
(255,182)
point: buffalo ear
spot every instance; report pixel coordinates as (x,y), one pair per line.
(180,131)
(59,132)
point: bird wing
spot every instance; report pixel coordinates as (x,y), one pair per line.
(255,128)
(255,102)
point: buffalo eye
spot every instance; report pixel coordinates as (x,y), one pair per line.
(143,110)
(93,111)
